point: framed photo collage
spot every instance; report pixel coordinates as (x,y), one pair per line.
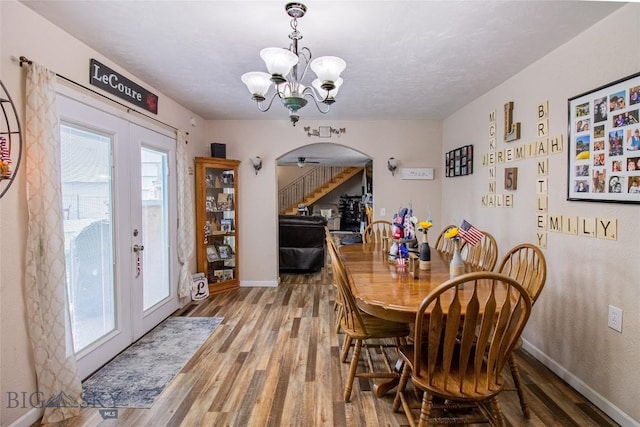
(604,143)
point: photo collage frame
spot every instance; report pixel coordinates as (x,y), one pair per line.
(459,162)
(604,143)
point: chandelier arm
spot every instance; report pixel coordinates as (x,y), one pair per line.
(316,95)
(315,101)
(259,103)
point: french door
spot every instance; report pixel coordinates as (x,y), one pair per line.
(119,201)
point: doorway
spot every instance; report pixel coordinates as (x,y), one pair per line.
(118,202)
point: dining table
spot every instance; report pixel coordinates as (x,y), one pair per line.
(390,290)
(387,290)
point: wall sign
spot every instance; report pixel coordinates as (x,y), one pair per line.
(116,84)
(417,173)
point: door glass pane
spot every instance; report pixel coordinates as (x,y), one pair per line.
(87,209)
(155,234)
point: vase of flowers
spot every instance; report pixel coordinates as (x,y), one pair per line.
(456,265)
(425,250)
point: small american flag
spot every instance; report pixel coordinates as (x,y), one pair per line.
(469,233)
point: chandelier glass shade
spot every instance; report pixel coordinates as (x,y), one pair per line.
(287,69)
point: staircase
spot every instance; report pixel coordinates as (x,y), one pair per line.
(312,186)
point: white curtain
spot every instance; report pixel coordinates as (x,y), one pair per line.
(186,239)
(45,277)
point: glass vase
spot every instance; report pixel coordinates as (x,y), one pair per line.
(456,266)
(425,253)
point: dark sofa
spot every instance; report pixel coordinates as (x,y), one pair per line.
(302,243)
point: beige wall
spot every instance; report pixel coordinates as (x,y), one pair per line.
(414,143)
(568,329)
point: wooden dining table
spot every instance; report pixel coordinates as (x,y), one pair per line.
(385,290)
(388,291)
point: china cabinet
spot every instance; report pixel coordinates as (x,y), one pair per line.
(217,222)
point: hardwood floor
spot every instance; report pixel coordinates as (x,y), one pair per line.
(274,361)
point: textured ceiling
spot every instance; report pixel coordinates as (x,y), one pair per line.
(405,59)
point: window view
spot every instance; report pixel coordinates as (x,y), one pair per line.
(87,209)
(154,223)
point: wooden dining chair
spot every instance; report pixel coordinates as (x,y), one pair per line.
(471,332)
(378,232)
(338,305)
(483,255)
(359,327)
(527,265)
(444,245)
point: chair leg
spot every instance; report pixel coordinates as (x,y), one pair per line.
(497,412)
(352,370)
(345,348)
(404,379)
(515,373)
(425,410)
(339,311)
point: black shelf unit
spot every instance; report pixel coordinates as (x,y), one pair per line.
(350,212)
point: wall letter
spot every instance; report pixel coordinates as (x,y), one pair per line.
(607,228)
(511,129)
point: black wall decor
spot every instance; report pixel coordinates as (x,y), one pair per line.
(459,162)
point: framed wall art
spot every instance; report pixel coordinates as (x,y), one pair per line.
(604,143)
(459,162)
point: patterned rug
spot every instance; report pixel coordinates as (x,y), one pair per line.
(137,376)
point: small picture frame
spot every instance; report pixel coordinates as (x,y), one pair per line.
(225,201)
(212,254)
(324,131)
(226,225)
(224,251)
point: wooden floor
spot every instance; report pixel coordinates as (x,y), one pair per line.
(274,362)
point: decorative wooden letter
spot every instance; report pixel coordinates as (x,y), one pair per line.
(511,130)
(510,178)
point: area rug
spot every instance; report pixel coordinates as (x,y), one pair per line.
(137,376)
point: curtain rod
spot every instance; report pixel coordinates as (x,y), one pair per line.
(24,59)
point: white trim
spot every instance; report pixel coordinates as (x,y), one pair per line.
(100,103)
(258,284)
(593,396)
(28,419)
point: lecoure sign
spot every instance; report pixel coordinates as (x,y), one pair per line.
(116,84)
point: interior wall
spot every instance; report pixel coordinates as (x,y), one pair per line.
(22,32)
(568,328)
(414,143)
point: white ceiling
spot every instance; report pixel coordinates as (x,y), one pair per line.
(405,59)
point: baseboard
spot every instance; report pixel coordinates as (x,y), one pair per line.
(28,419)
(258,284)
(594,397)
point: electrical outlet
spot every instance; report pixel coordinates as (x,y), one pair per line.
(383,211)
(615,318)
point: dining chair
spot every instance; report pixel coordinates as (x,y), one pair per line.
(359,327)
(527,265)
(338,305)
(444,245)
(483,255)
(378,232)
(473,323)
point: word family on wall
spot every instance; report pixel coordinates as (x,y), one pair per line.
(538,150)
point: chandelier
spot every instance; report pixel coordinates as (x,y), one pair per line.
(287,69)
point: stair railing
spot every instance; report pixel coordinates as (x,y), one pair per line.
(307,184)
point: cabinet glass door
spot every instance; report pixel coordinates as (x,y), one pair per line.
(220,227)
